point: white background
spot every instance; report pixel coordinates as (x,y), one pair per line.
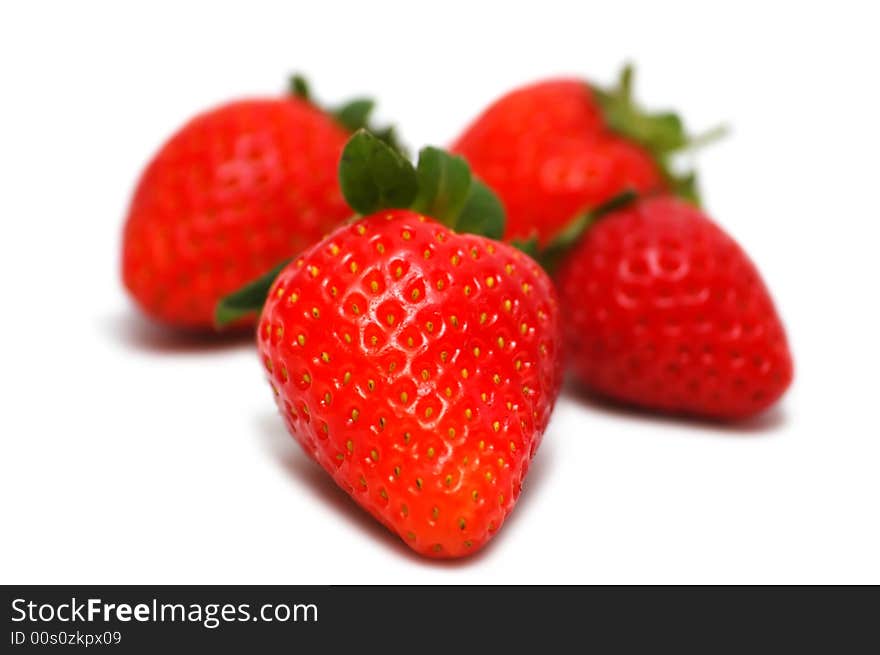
(131,457)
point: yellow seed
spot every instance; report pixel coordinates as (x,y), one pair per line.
(448,392)
(404,396)
(349,445)
(523,328)
(488,476)
(410,342)
(500,499)
(476,352)
(355,309)
(353,267)
(419,483)
(512,447)
(501,342)
(406,235)
(517,364)
(464,373)
(383,494)
(509,406)
(427,253)
(461,524)
(293,297)
(371,385)
(496,379)
(443,355)
(481,445)
(526,287)
(334,249)
(490,282)
(451,433)
(429,412)
(483,318)
(315,313)
(455,259)
(509,269)
(448,480)
(440,285)
(415,294)
(374,340)
(390,319)
(484,396)
(280,292)
(313,271)
(327,398)
(468,414)
(307,378)
(454,320)
(406,437)
(431,452)
(354,414)
(380,248)
(347,337)
(507,305)
(398,271)
(334,291)
(501,462)
(325,357)
(381,422)
(374,286)
(475,495)
(467,289)
(474,253)
(496,426)
(374,455)
(346,378)
(397,473)
(491,249)
(424,374)
(435,513)
(361,230)
(324,428)
(340,457)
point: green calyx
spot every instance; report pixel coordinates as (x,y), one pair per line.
(375,176)
(661,133)
(353,115)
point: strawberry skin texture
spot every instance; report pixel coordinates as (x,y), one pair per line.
(668,313)
(419,368)
(237,190)
(546,151)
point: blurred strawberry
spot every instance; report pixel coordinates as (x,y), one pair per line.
(235,191)
(665,311)
(556,148)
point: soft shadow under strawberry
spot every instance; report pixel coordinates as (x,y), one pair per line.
(764,424)
(138,333)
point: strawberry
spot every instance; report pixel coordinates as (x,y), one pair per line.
(416,364)
(232,193)
(559,147)
(667,312)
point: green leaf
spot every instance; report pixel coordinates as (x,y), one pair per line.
(299,87)
(662,134)
(248,300)
(444,185)
(482,213)
(374,176)
(355,114)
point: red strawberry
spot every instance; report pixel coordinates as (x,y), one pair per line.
(556,148)
(667,312)
(235,191)
(416,364)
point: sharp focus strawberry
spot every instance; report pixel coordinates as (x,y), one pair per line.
(665,311)
(235,191)
(416,364)
(557,148)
